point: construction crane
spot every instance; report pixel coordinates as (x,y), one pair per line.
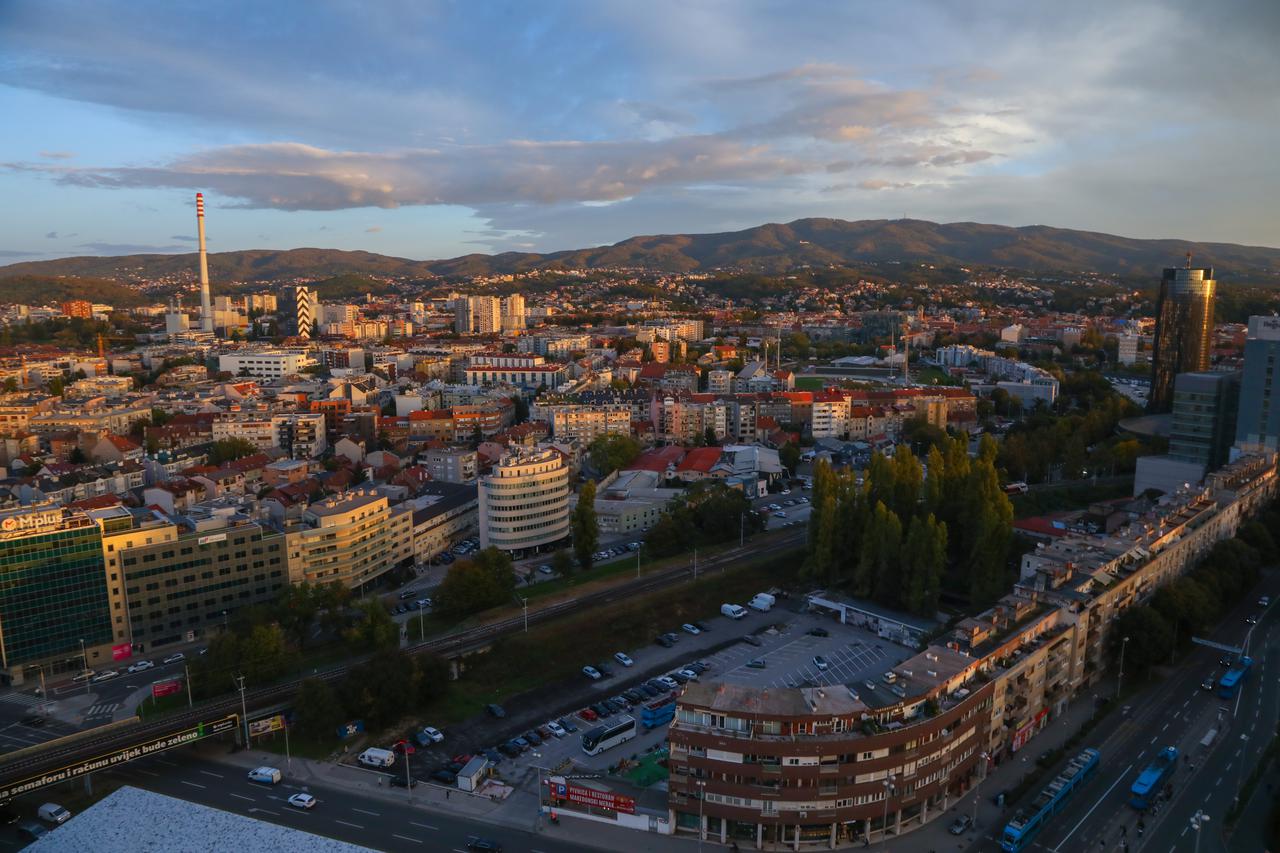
(102,343)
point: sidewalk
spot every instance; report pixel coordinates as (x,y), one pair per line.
(1011,770)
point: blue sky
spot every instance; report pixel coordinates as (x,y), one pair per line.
(433,129)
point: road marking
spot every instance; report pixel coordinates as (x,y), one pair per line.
(352,825)
(1123,774)
(265,811)
(148,772)
(425,826)
(1166,725)
(1153,740)
(214,775)
(407,838)
(167,762)
(363,811)
(242,797)
(192,784)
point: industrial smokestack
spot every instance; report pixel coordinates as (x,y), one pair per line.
(206,304)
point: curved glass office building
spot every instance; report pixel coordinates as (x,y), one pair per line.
(1184,330)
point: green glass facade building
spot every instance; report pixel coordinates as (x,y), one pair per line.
(53,591)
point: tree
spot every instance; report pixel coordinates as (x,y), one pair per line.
(908,478)
(987,530)
(709,437)
(381,689)
(878,571)
(264,655)
(521,408)
(1150,638)
(77,456)
(924,558)
(822,524)
(486,580)
(55,386)
(317,711)
(610,452)
(374,629)
(789,456)
(230,449)
(296,609)
(562,563)
(585,527)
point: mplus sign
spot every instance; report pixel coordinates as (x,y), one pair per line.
(122,756)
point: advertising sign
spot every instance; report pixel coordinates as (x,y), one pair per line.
(118,757)
(124,651)
(211,538)
(591,797)
(31,522)
(164,688)
(265,726)
(351,729)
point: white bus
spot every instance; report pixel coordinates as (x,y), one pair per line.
(609,735)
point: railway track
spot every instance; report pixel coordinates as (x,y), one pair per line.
(44,757)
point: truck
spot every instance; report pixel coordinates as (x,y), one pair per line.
(374,757)
(733,611)
(763,602)
(1146,789)
(657,714)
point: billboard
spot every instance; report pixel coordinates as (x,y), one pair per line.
(124,651)
(350,729)
(164,688)
(266,725)
(108,760)
(567,791)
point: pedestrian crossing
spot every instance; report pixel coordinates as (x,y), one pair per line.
(102,709)
(24,699)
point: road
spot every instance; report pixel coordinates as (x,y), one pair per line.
(1178,712)
(380,823)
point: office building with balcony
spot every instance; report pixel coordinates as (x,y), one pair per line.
(350,538)
(524,502)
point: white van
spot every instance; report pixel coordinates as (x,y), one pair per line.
(733,611)
(890,677)
(763,601)
(53,813)
(374,757)
(266,775)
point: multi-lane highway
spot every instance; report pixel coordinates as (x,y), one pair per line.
(1177,711)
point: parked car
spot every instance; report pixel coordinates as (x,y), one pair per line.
(591,672)
(751,639)
(604,669)
(690,674)
(397,780)
(756,663)
(622,659)
(445,777)
(403,747)
(104,675)
(589,714)
(819,632)
(678,677)
(664,641)
(668,682)
(602,709)
(53,813)
(690,628)
(174,658)
(302,801)
(556,729)
(621,702)
(960,825)
(509,749)
(650,690)
(544,732)
(495,711)
(1265,601)
(433,735)
(820,662)
(522,742)
(545,569)
(700,626)
(567,724)
(492,754)
(697,666)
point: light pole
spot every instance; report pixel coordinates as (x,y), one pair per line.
(524,604)
(84,664)
(638,550)
(702,799)
(978,786)
(1120,679)
(884,818)
(742,527)
(1198,820)
(244,709)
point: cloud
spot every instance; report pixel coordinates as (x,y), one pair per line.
(132,248)
(877,184)
(186,238)
(52,235)
(16,253)
(57,155)
(373,229)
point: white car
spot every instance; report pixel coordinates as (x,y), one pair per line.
(623,659)
(591,672)
(668,682)
(302,801)
(689,674)
(556,729)
(104,675)
(690,629)
(174,658)
(141,666)
(434,735)
(82,677)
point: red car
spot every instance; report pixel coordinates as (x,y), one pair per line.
(403,747)
(461,759)
(589,715)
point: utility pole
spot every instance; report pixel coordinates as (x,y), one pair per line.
(978,785)
(187,670)
(288,757)
(1120,679)
(84,663)
(638,550)
(524,603)
(244,708)
(742,526)
(695,563)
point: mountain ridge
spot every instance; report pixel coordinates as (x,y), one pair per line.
(770,248)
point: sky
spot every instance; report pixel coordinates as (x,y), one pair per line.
(428,129)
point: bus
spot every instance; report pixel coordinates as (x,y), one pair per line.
(1230,683)
(1151,781)
(1028,821)
(604,737)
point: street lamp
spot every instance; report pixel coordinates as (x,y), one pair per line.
(884,818)
(524,604)
(702,799)
(985,758)
(1120,679)
(84,666)
(1198,820)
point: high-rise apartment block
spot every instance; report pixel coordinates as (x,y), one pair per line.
(1184,330)
(1258,421)
(79,308)
(299,310)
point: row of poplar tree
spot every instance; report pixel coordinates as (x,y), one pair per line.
(896,534)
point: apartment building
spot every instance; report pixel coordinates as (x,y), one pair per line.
(268,364)
(443,513)
(524,502)
(586,423)
(347,538)
(450,464)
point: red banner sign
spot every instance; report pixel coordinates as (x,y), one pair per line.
(124,651)
(164,688)
(592,797)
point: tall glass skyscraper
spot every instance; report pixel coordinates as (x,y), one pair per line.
(53,591)
(1258,424)
(1184,330)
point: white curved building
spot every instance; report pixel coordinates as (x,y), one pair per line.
(524,502)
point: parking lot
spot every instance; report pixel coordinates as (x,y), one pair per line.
(787,648)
